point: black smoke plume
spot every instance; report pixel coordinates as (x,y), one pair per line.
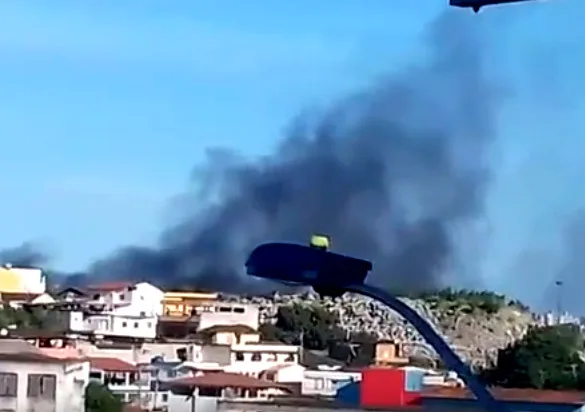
(394,174)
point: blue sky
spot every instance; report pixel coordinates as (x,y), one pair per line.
(107,106)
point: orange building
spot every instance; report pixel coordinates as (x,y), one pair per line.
(184,305)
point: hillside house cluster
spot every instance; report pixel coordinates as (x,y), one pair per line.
(182,351)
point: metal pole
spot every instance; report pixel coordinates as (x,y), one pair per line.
(452,361)
(559,285)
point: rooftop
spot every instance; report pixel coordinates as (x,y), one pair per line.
(34,358)
(237,329)
(512,395)
(190,295)
(110,287)
(111,364)
(224,380)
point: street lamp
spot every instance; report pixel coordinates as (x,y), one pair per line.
(475,5)
(332,274)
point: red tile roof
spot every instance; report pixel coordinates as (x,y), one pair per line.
(31,357)
(509,394)
(226,380)
(111,364)
(109,287)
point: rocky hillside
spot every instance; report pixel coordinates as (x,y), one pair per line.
(474,332)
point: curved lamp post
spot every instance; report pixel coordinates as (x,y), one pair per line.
(333,274)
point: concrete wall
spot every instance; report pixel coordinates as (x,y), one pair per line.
(71,380)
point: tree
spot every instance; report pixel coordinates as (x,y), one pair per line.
(359,351)
(99,398)
(315,326)
(29,318)
(546,358)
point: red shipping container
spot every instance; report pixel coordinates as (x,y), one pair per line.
(382,387)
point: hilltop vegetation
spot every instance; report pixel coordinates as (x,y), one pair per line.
(467,301)
(476,324)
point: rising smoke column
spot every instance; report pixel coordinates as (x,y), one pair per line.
(391,173)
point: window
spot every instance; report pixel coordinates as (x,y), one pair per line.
(41,386)
(8,384)
(182,354)
(239,310)
(135,324)
(124,324)
(212,392)
(95,376)
(256,357)
(165,397)
(149,324)
(239,356)
(290,358)
(122,296)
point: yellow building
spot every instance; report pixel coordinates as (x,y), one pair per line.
(182,305)
(22,280)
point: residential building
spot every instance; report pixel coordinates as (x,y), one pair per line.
(203,390)
(390,353)
(124,379)
(184,305)
(253,358)
(120,310)
(20,300)
(71,294)
(224,313)
(31,281)
(128,299)
(248,355)
(326,382)
(31,381)
(181,311)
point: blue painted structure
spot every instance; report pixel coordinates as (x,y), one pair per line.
(349,394)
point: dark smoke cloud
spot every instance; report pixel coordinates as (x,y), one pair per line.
(391,173)
(568,295)
(25,255)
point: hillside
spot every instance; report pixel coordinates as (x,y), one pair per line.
(474,331)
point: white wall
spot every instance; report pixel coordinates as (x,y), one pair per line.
(109,324)
(72,378)
(144,300)
(326,383)
(256,358)
(290,374)
(230,314)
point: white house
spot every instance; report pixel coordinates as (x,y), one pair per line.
(248,355)
(120,310)
(31,381)
(123,378)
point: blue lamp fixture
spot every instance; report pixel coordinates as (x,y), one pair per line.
(333,274)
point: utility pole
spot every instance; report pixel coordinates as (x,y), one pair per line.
(559,287)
